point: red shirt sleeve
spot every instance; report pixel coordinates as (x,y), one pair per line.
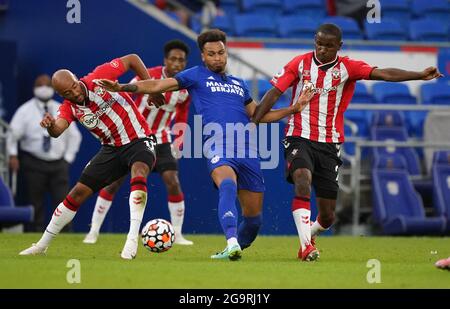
(65,112)
(287,76)
(358,69)
(111,70)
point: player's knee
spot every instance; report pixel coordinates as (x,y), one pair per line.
(327,219)
(140,169)
(302,183)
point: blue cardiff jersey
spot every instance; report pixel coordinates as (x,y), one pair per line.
(219,98)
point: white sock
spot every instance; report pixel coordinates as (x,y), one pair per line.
(61,216)
(232,241)
(98,216)
(301,218)
(138,200)
(316,228)
(176,215)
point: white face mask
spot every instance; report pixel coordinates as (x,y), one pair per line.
(44,93)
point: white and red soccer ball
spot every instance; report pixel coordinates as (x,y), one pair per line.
(158,235)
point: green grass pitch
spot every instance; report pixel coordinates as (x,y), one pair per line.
(270,263)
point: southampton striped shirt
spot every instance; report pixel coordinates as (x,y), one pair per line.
(323,118)
(112,117)
(159,119)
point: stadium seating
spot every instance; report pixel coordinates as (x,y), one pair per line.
(9,212)
(255,25)
(441,184)
(311,8)
(396,134)
(349,27)
(392,93)
(428,30)
(398,208)
(230,7)
(388,119)
(388,30)
(297,26)
(435,9)
(273,7)
(398,10)
(435,93)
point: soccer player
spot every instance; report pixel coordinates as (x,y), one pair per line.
(314,136)
(443,264)
(159,120)
(114,119)
(223,99)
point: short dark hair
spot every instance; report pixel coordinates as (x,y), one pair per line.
(330,29)
(175,44)
(213,35)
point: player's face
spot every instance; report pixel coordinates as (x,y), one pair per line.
(73,91)
(214,55)
(175,62)
(327,47)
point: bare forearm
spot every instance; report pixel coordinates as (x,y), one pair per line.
(277,114)
(134,62)
(58,127)
(266,104)
(395,75)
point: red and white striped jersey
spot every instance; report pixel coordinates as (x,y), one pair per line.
(323,118)
(160,119)
(112,117)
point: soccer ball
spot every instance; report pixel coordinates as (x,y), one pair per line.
(158,235)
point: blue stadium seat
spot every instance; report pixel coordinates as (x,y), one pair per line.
(441,184)
(435,93)
(221,22)
(9,212)
(297,26)
(398,208)
(230,7)
(428,30)
(360,117)
(388,30)
(396,9)
(434,9)
(349,27)
(361,94)
(396,134)
(388,119)
(273,7)
(254,25)
(311,8)
(392,93)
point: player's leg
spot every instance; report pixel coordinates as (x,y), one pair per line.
(62,215)
(251,203)
(59,184)
(326,216)
(167,166)
(225,179)
(251,193)
(102,205)
(175,204)
(300,164)
(140,157)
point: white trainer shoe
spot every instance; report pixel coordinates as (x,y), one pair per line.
(91,238)
(34,250)
(130,249)
(180,240)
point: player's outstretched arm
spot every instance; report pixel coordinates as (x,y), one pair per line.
(265,105)
(143,86)
(134,63)
(55,127)
(278,114)
(399,75)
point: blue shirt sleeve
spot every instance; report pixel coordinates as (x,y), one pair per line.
(187,78)
(247,98)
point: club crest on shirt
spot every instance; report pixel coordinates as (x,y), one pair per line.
(99,91)
(336,73)
(114,64)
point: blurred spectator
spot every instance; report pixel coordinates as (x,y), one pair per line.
(44,161)
(355,9)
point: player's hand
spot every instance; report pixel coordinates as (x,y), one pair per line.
(431,73)
(14,163)
(109,85)
(156,99)
(48,121)
(303,100)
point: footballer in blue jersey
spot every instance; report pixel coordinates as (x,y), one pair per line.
(223,100)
